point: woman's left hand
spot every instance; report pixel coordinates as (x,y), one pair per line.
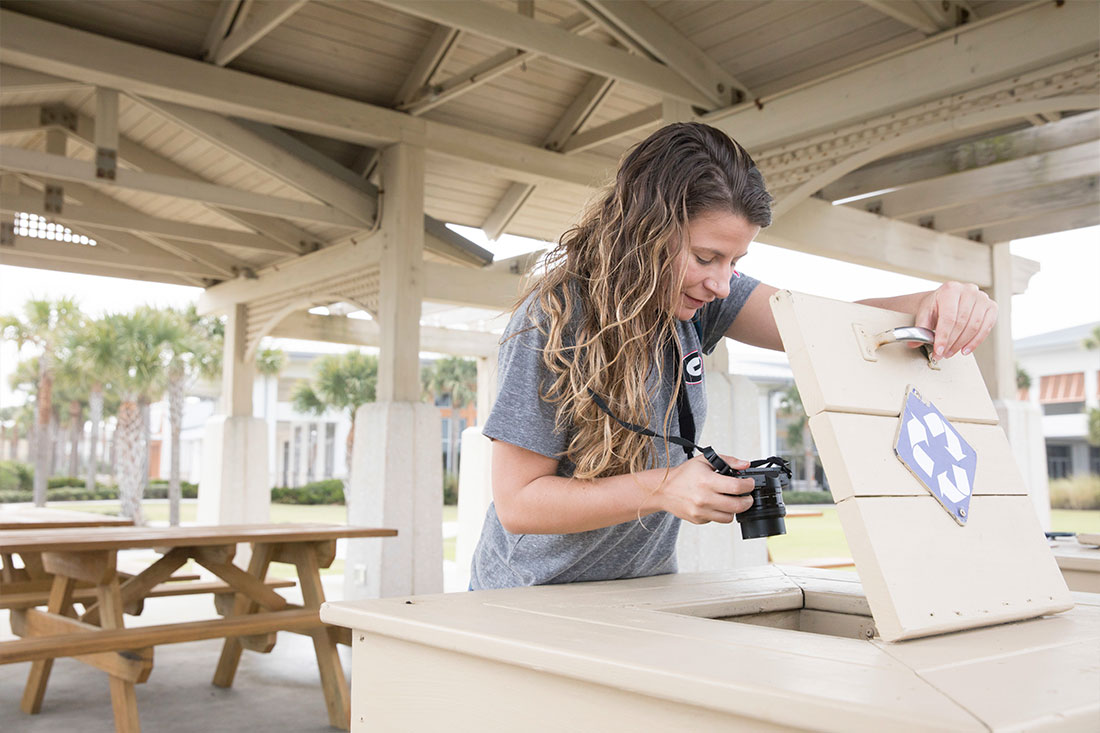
(960,314)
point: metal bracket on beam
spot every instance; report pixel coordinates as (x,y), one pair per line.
(106,163)
(928,222)
(59,115)
(7,234)
(55,199)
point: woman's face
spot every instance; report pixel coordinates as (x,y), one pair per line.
(716,240)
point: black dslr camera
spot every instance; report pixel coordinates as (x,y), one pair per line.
(770,476)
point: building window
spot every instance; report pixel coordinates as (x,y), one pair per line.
(1059,461)
(1061,388)
(1094,459)
(1063,408)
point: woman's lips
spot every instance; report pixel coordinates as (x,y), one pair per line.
(692,302)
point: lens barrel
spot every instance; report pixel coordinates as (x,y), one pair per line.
(765,517)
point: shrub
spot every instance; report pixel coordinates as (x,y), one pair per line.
(329,491)
(58,482)
(10,496)
(1076,492)
(79,493)
(16,476)
(450,488)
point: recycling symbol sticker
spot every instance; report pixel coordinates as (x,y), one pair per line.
(934,452)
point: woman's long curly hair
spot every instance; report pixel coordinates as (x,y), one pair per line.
(608,299)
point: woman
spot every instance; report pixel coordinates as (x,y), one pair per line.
(632,297)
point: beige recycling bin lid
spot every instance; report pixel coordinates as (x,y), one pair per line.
(926,569)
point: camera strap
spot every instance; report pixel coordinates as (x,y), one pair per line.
(687,423)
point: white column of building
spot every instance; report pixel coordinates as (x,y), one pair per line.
(1021,421)
(396,476)
(234,487)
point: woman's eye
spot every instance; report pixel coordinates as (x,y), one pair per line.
(701,261)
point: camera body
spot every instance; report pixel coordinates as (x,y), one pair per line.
(770,476)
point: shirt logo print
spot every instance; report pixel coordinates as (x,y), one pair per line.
(693,368)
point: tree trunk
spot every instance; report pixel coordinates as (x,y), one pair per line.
(95,407)
(15,443)
(76,429)
(349,446)
(128,438)
(113,453)
(176,394)
(147,443)
(43,444)
(55,448)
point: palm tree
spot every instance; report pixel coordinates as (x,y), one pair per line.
(96,350)
(138,377)
(346,381)
(71,387)
(194,351)
(45,324)
(1092,341)
(456,378)
(7,422)
(269,363)
(790,405)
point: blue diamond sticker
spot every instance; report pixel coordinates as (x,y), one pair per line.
(934,452)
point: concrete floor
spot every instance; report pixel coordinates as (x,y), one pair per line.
(279,691)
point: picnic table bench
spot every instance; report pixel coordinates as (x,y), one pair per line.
(99,638)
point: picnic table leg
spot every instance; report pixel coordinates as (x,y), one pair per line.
(61,593)
(231,650)
(123,694)
(333,682)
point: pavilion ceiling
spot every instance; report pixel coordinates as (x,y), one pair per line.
(247,133)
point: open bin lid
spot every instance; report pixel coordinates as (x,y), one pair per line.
(926,568)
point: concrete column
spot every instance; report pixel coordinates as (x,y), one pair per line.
(397,479)
(486,386)
(234,488)
(732,428)
(1021,421)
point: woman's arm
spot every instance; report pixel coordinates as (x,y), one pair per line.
(961,315)
(531,499)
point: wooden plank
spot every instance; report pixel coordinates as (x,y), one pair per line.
(242,605)
(123,694)
(924,574)
(245,583)
(68,645)
(60,601)
(23,598)
(857,452)
(826,356)
(135,589)
(125,538)
(34,623)
(335,686)
(92,567)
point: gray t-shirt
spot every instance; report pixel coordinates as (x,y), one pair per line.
(523,418)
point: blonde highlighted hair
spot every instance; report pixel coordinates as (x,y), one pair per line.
(608,300)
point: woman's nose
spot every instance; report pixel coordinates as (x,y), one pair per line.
(720,288)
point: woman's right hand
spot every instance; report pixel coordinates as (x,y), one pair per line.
(696,493)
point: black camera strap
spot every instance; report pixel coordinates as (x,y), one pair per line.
(716,461)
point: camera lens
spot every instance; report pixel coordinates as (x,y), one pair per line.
(765,517)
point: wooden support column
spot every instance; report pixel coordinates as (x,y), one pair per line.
(1021,421)
(236,371)
(396,476)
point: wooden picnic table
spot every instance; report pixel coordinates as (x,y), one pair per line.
(98,636)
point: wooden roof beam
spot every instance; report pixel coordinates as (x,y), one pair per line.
(344,330)
(966,57)
(646,28)
(17,80)
(101,61)
(252,25)
(927,16)
(845,234)
(977,184)
(439,47)
(100,254)
(580,110)
(68,169)
(513,29)
(19,259)
(430,97)
(103,214)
